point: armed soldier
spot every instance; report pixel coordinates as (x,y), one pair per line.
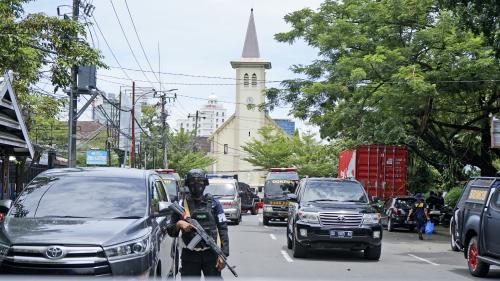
(210,215)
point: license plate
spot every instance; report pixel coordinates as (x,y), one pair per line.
(340,234)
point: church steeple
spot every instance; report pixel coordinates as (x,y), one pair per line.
(251,47)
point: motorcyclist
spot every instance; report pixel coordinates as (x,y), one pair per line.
(210,214)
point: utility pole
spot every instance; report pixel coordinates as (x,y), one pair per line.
(197,117)
(164,130)
(73,99)
(132,150)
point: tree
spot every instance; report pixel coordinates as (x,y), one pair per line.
(36,47)
(276,149)
(396,72)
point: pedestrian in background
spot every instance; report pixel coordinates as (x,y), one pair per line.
(420,211)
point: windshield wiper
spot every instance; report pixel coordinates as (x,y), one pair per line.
(325,200)
(128,217)
(355,201)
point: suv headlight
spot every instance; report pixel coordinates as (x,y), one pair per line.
(309,217)
(268,208)
(135,248)
(371,218)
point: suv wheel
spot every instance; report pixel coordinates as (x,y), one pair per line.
(453,239)
(476,267)
(265,220)
(390,226)
(373,253)
(289,243)
(298,250)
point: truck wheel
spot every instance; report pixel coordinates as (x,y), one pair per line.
(254,210)
(265,220)
(289,243)
(476,267)
(390,226)
(298,250)
(373,253)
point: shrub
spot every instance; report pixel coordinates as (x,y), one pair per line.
(453,196)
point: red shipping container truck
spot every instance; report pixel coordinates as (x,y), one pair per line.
(381,169)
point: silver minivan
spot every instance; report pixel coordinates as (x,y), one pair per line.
(226,191)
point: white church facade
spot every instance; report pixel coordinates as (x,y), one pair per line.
(245,123)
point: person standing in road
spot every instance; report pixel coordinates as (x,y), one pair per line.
(420,211)
(210,214)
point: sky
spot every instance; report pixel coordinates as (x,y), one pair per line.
(195,37)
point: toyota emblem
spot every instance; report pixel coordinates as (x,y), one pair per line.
(54,253)
(341,218)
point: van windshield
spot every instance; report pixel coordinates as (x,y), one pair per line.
(278,187)
(170,184)
(220,189)
(89,197)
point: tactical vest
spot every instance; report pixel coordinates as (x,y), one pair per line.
(203,213)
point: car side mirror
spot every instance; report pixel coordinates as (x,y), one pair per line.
(5,205)
(291,197)
(164,209)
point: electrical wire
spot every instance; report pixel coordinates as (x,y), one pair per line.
(109,48)
(128,42)
(140,42)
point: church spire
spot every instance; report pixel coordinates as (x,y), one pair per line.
(251,47)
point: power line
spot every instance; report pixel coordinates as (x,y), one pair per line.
(128,42)
(140,42)
(109,48)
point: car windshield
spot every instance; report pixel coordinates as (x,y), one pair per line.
(170,184)
(334,191)
(278,187)
(89,197)
(283,176)
(404,203)
(220,189)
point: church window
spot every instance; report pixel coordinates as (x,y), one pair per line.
(222,120)
(222,115)
(248,133)
(226,149)
(254,80)
(217,120)
(246,80)
(217,126)
(217,114)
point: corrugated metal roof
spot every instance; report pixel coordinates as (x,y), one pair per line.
(14,139)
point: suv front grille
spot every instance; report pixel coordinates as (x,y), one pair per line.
(77,260)
(340,219)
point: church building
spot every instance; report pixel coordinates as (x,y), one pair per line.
(245,123)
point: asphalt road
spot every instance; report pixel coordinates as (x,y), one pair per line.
(260,251)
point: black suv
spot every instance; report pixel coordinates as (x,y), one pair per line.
(88,221)
(330,213)
(475,224)
(249,198)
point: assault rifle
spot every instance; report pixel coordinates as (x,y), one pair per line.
(201,235)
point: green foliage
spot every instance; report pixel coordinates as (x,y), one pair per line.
(453,196)
(37,46)
(275,149)
(393,72)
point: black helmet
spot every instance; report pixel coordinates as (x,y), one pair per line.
(196,181)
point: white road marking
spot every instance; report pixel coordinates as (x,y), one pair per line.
(286,256)
(272,236)
(424,260)
(260,220)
